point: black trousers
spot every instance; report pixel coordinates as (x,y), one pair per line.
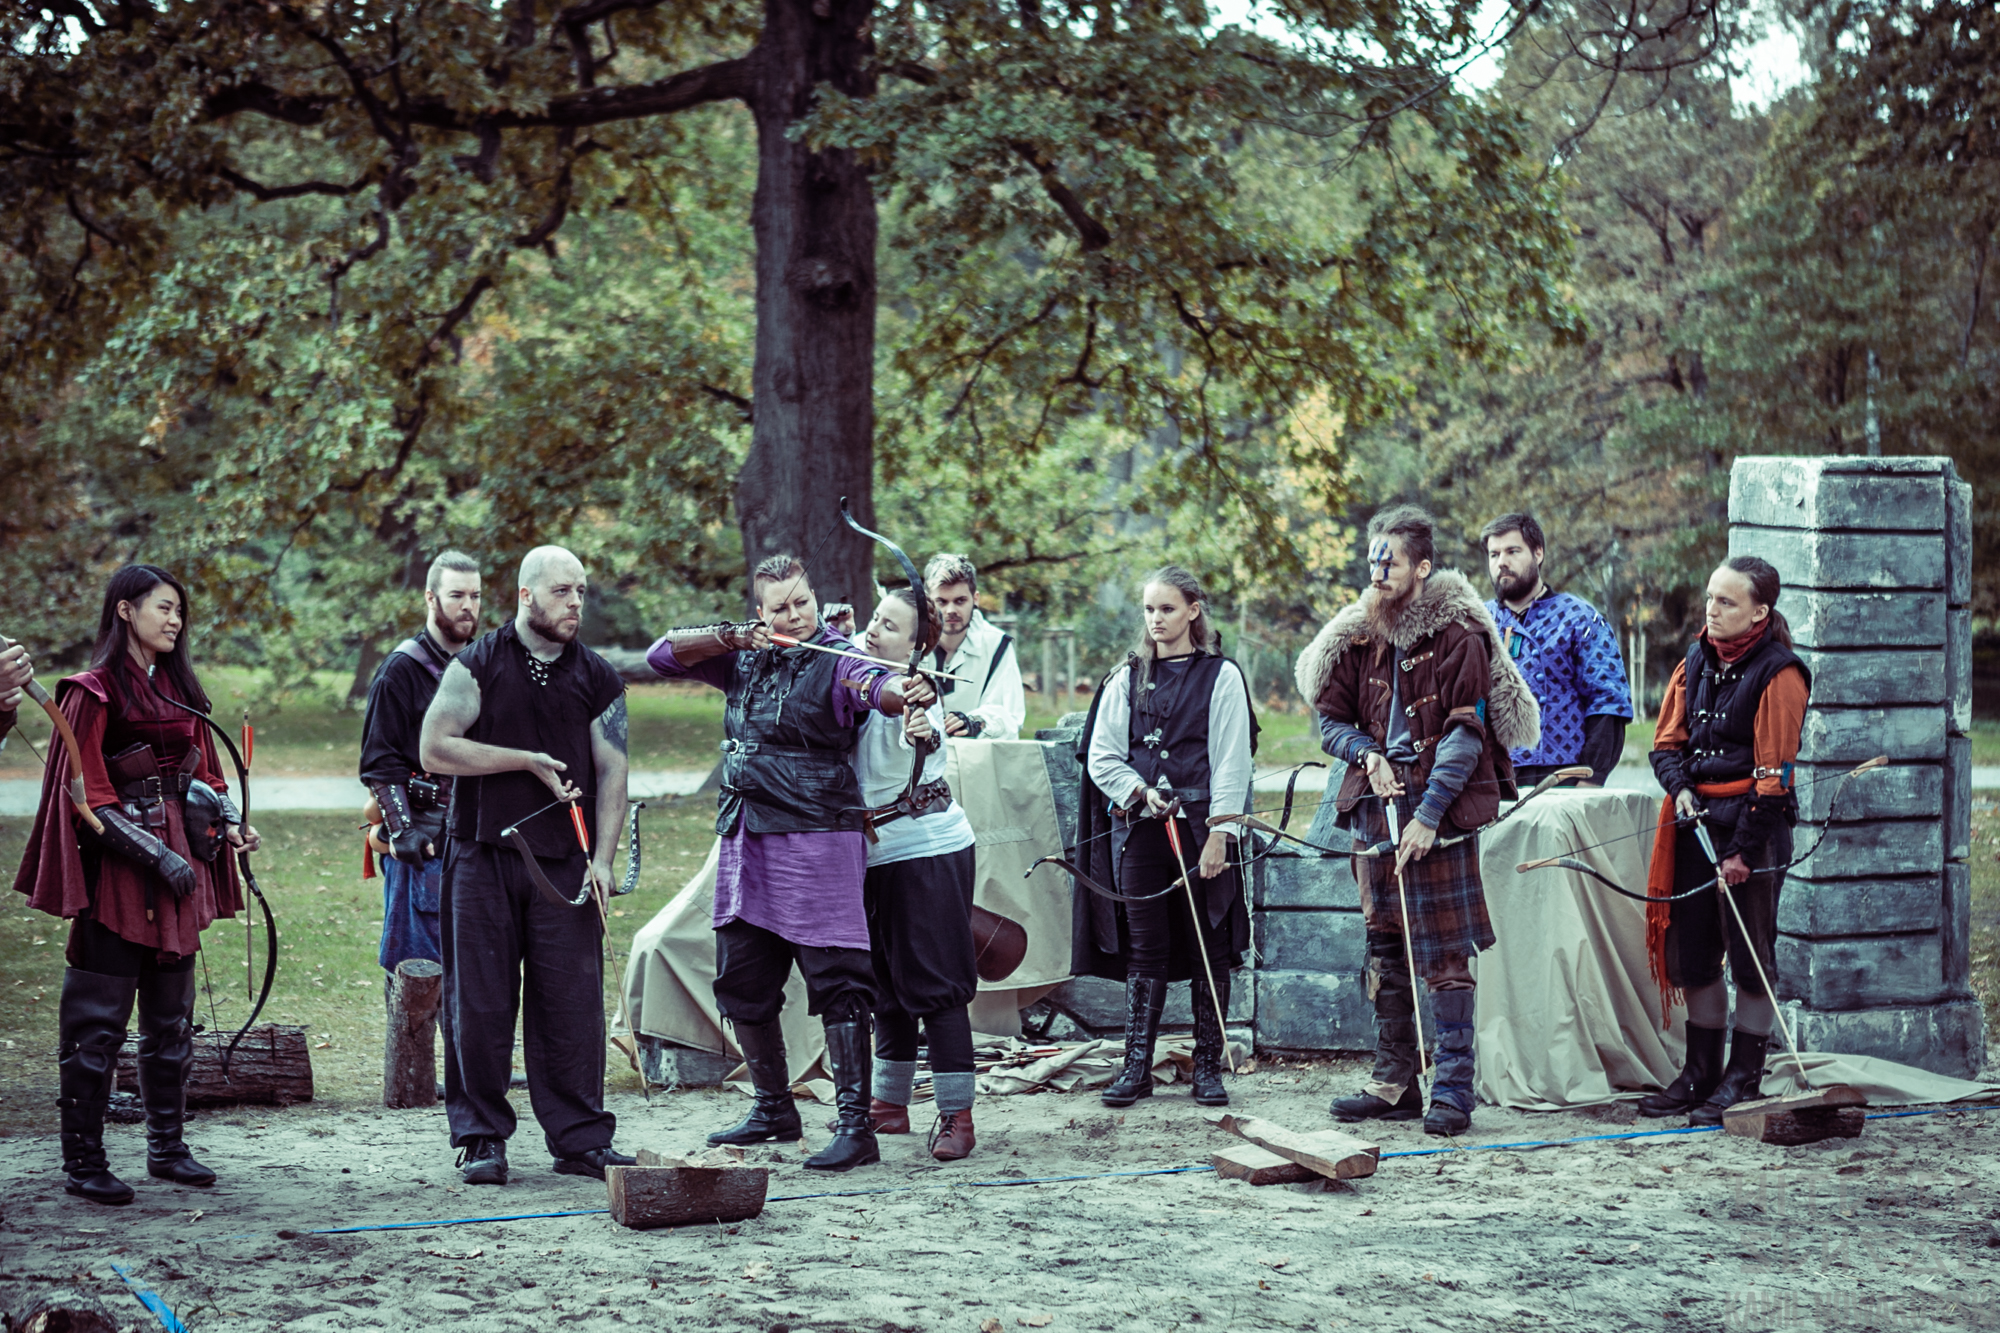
(752,965)
(1701,929)
(920,933)
(508,953)
(95,947)
(1162,929)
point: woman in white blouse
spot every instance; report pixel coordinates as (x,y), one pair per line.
(1174,723)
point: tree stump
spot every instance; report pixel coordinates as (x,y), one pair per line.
(272,1067)
(64,1312)
(409,1055)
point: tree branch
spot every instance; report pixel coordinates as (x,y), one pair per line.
(266,193)
(1090,232)
(735,400)
(265,101)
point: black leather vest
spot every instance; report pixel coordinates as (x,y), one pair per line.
(1722,708)
(785,762)
(1168,732)
(518,714)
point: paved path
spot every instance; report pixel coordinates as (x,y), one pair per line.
(18,796)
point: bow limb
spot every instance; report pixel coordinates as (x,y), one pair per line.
(925,618)
(1085,879)
(1560,775)
(549,891)
(249,875)
(1271,830)
(70,747)
(631,880)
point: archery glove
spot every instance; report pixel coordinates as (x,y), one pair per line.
(141,848)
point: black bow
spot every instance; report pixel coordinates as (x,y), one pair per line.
(249,876)
(924,620)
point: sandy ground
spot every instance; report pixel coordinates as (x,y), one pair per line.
(1896,1230)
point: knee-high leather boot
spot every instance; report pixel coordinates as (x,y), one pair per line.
(1451,1089)
(1145,997)
(1395,1041)
(1696,1080)
(774,1116)
(849,1049)
(1741,1081)
(1209,1040)
(166,1049)
(92,1017)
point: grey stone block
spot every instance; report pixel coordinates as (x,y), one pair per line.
(1861,973)
(1957,930)
(1314,1011)
(1958,669)
(1864,619)
(1840,560)
(1850,735)
(1958,540)
(1817,493)
(1311,941)
(1841,907)
(1865,679)
(1957,798)
(1881,849)
(1900,791)
(1948,1038)
(1098,1005)
(1303,881)
(668,1064)
(1065,779)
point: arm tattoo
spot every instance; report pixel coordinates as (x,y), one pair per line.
(612,724)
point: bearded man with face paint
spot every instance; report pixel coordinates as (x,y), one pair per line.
(1415,695)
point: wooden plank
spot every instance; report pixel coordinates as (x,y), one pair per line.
(677,1194)
(409,1051)
(273,1067)
(1837,1112)
(1259,1166)
(1332,1154)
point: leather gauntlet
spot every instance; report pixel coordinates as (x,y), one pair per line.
(141,848)
(407,843)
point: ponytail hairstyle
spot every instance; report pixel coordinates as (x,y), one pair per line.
(927,630)
(1764,588)
(131,584)
(1202,632)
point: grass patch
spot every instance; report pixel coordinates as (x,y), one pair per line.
(329,927)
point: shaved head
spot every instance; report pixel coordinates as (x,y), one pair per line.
(551,596)
(538,565)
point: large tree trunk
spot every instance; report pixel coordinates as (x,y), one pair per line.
(813,435)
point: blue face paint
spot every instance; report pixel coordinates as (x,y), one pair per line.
(1380,557)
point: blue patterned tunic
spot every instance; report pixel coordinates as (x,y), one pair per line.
(1569,655)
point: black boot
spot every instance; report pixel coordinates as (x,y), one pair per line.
(849,1051)
(1696,1080)
(1740,1081)
(1395,1040)
(774,1116)
(91,1021)
(1451,1087)
(1144,998)
(166,1048)
(1210,1043)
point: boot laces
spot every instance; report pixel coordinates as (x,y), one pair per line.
(947,1121)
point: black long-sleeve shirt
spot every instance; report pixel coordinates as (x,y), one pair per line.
(394,722)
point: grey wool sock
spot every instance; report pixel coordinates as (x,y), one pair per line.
(894,1080)
(954,1091)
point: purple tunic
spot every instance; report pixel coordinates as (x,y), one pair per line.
(804,887)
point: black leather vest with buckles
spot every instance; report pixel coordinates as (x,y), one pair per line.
(785,762)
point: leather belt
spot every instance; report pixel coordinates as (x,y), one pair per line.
(929,799)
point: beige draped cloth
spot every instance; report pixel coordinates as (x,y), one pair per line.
(1004,789)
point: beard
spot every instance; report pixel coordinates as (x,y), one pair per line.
(460,629)
(552,630)
(1511,587)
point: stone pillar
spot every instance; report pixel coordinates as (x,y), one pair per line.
(1311,948)
(1873,924)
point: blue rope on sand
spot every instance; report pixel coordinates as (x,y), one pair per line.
(168,1319)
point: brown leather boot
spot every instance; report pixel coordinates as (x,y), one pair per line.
(889,1118)
(952,1139)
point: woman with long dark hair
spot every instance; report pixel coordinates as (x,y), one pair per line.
(1173,723)
(139,878)
(1725,744)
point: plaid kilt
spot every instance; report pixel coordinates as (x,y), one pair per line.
(1447,901)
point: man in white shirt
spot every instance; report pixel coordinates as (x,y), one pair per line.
(995,707)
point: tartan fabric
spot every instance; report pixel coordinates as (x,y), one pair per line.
(1447,900)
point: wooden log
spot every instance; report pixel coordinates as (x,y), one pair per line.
(409,1054)
(1836,1112)
(1259,1166)
(672,1192)
(272,1067)
(1332,1154)
(64,1312)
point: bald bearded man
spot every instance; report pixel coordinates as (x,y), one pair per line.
(529,722)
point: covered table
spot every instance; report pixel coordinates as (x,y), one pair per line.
(1004,788)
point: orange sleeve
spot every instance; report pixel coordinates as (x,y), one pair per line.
(1781,716)
(1671,731)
